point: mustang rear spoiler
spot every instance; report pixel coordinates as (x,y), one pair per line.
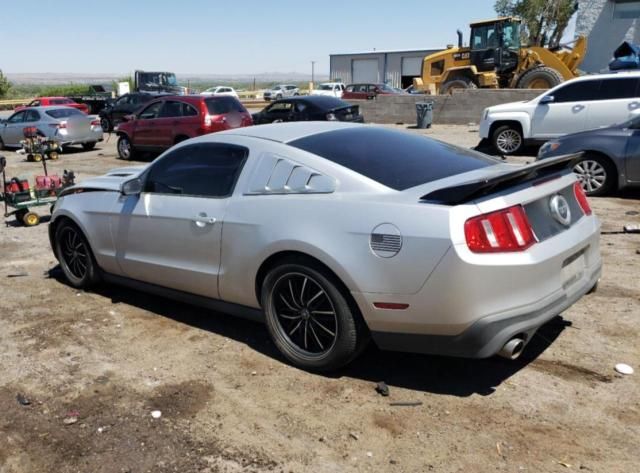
(467,191)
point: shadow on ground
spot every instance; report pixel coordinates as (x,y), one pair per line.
(434,374)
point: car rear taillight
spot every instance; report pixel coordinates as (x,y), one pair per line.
(501,231)
(581,197)
(95,122)
(207,120)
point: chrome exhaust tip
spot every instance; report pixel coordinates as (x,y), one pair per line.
(512,349)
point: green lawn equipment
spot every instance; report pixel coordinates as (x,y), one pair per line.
(21,197)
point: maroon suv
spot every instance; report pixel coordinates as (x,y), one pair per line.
(168,120)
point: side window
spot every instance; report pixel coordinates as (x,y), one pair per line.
(351,88)
(188,110)
(580,91)
(201,170)
(16,118)
(171,109)
(612,89)
(280,107)
(151,111)
(31,116)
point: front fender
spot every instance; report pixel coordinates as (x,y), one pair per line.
(504,117)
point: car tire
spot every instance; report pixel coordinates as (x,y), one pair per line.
(507,139)
(75,256)
(125,148)
(309,317)
(457,83)
(279,97)
(541,77)
(596,174)
(105,124)
(88,146)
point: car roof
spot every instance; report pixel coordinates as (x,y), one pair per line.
(608,75)
(286,132)
(47,107)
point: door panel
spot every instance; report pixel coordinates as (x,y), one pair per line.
(633,156)
(617,101)
(13,129)
(169,235)
(145,126)
(171,241)
(557,119)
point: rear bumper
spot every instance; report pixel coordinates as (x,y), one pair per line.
(486,336)
(91,137)
(471,305)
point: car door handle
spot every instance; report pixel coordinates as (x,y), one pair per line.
(202,220)
(578,108)
(634,105)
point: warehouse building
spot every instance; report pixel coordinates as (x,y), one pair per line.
(606,23)
(396,68)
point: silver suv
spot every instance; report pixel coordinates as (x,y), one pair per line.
(281,91)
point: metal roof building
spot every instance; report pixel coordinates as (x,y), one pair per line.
(396,68)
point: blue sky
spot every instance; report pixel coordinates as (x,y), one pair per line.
(219,37)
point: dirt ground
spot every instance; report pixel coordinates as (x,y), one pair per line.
(94,365)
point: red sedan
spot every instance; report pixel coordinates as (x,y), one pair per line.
(45,101)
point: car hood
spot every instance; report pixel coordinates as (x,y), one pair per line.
(508,107)
(111,181)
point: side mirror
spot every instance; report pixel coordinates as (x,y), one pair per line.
(132,187)
(547,99)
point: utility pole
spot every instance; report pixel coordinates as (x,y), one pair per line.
(313,74)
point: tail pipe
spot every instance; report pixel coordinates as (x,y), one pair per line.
(459,38)
(512,349)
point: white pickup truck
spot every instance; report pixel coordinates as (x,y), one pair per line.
(580,104)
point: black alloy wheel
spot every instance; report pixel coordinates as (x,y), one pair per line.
(309,318)
(75,256)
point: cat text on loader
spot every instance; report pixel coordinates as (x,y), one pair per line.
(495,59)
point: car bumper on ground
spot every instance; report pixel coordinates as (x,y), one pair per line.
(472,310)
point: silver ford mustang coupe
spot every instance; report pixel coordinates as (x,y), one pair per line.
(338,233)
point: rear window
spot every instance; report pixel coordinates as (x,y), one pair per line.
(63,112)
(221,105)
(395,159)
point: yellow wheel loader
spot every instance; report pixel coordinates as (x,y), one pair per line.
(496,59)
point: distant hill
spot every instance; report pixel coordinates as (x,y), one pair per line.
(46,78)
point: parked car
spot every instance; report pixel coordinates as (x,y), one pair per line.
(611,159)
(580,104)
(335,232)
(331,89)
(311,107)
(48,101)
(125,105)
(171,119)
(220,90)
(68,126)
(367,91)
(414,91)
(280,91)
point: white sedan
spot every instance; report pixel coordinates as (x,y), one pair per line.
(220,91)
(332,89)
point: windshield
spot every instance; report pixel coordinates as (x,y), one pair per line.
(63,113)
(158,78)
(325,87)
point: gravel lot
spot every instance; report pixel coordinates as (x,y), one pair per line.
(107,359)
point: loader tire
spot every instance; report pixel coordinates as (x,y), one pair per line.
(457,83)
(541,77)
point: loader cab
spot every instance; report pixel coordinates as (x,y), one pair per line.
(495,45)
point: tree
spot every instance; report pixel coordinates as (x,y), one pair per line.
(543,21)
(5,85)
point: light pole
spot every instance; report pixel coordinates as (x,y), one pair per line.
(313,73)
